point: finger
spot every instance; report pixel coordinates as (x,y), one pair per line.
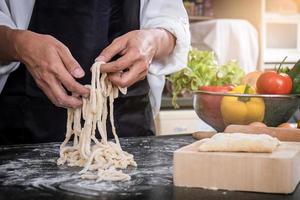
(70,63)
(128,78)
(72,101)
(42,84)
(116,47)
(61,99)
(71,84)
(122,63)
(46,90)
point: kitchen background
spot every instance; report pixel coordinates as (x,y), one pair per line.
(258,34)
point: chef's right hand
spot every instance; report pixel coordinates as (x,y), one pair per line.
(52,67)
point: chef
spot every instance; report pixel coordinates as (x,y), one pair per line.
(47,48)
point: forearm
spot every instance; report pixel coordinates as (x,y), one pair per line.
(7,44)
(165,42)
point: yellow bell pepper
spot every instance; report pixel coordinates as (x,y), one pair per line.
(242,110)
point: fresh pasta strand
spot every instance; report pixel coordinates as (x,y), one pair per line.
(101,160)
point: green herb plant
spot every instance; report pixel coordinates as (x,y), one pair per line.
(294,73)
(203,70)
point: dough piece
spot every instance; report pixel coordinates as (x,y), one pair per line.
(239,142)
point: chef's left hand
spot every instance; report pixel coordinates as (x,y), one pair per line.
(137,49)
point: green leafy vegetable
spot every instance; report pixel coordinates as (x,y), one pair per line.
(202,70)
(294,73)
(228,74)
(281,68)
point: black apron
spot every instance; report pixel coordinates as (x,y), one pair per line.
(86,28)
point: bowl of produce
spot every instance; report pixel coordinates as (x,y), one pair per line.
(270,97)
(224,94)
(239,106)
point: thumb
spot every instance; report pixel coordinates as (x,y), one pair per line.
(116,47)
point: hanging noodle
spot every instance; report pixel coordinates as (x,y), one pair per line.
(100,159)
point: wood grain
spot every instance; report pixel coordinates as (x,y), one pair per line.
(276,172)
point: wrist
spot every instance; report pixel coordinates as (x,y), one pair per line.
(7,52)
(165,42)
(16,39)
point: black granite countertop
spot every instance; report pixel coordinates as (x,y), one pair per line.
(30,172)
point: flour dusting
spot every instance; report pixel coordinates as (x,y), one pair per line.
(35,166)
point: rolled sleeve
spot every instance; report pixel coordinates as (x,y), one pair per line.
(15,14)
(171,16)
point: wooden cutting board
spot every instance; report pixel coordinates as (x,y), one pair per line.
(277,172)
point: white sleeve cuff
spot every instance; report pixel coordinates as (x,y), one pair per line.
(9,67)
(177,60)
(6,68)
(169,15)
(15,14)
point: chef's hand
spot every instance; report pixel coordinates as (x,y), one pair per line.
(137,49)
(52,66)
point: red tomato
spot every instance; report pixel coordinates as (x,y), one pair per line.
(274,83)
(211,105)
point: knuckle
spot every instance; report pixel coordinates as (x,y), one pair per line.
(71,64)
(75,105)
(60,100)
(72,87)
(133,33)
(138,54)
(51,50)
(61,47)
(36,76)
(105,53)
(59,104)
(54,67)
(116,40)
(39,83)
(55,103)
(135,51)
(124,83)
(144,64)
(48,37)
(41,71)
(42,63)
(118,66)
(44,76)
(143,57)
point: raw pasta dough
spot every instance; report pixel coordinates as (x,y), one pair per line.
(239,142)
(100,159)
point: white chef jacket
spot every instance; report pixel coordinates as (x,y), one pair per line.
(167,14)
